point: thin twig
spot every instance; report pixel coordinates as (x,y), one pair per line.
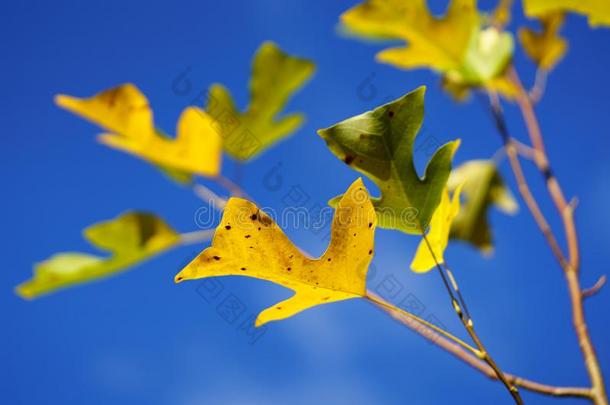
(231,186)
(209,196)
(389,307)
(594,289)
(191,238)
(537,91)
(571,265)
(522,184)
(474,362)
(469,325)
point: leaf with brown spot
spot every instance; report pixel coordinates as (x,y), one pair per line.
(276,259)
(386,156)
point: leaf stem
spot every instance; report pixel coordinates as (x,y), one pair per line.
(191,238)
(477,364)
(460,309)
(389,307)
(209,196)
(230,186)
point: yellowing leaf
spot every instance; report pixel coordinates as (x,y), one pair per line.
(379,144)
(458,45)
(598,11)
(130,238)
(482,188)
(502,13)
(438,235)
(275,77)
(547,47)
(248,243)
(124,111)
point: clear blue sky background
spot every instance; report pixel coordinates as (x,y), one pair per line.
(138,338)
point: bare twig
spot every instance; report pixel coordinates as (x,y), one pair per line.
(191,238)
(474,362)
(571,264)
(459,306)
(209,196)
(594,289)
(231,186)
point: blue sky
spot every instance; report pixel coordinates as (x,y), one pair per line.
(138,338)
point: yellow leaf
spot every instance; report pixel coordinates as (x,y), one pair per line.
(547,47)
(458,45)
(249,243)
(438,43)
(125,112)
(130,238)
(502,13)
(438,235)
(598,11)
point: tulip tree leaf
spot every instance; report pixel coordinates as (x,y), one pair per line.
(125,112)
(598,11)
(547,47)
(248,243)
(460,46)
(275,77)
(379,144)
(130,239)
(482,188)
(438,235)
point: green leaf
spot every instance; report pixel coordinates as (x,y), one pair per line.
(379,144)
(275,77)
(483,188)
(487,55)
(130,239)
(598,11)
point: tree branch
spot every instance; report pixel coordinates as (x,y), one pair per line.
(471,360)
(571,265)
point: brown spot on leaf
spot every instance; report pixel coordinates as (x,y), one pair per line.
(228,227)
(216,257)
(390,113)
(348,159)
(243,269)
(247,236)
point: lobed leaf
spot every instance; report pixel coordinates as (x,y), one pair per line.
(598,11)
(545,48)
(458,45)
(130,239)
(248,243)
(125,112)
(276,76)
(483,188)
(379,144)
